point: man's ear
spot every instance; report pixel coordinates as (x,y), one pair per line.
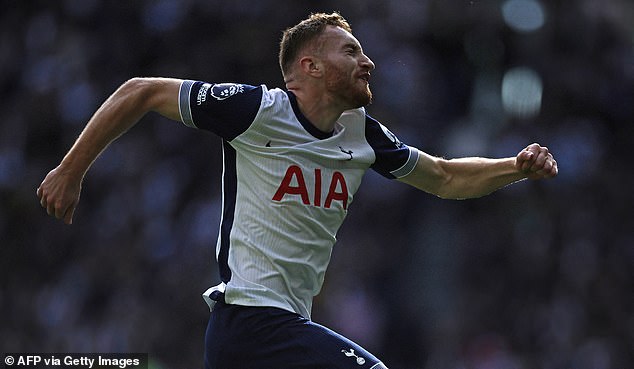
(311,66)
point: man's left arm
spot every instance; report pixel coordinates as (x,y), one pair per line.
(475,177)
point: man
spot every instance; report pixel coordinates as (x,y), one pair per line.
(293,160)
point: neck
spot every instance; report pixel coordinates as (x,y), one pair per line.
(319,108)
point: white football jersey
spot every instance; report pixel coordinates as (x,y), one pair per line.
(286,187)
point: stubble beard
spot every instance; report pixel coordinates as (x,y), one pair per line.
(349,92)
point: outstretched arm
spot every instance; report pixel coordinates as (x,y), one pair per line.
(475,177)
(60,190)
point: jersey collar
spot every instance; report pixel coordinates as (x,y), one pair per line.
(308,126)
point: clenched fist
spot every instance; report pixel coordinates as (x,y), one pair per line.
(59,194)
(536,162)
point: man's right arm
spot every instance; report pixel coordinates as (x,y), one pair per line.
(60,190)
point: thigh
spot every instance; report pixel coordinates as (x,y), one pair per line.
(261,338)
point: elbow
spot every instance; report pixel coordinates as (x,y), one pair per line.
(135,86)
(451,186)
(431,176)
(145,85)
(460,192)
(444,181)
(459,196)
(139,91)
(447,193)
(455,190)
(138,82)
(436,177)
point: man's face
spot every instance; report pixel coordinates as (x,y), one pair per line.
(347,68)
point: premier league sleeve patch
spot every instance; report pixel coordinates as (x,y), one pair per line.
(221,91)
(391,136)
(226,109)
(394,159)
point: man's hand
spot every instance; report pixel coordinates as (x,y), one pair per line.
(536,162)
(59,194)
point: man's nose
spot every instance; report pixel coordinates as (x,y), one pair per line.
(366,61)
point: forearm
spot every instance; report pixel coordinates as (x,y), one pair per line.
(462,178)
(476,177)
(121,111)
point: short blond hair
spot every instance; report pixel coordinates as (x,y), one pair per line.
(298,36)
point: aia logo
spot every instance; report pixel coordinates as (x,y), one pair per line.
(337,189)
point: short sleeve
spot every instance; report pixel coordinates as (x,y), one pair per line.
(227,109)
(394,159)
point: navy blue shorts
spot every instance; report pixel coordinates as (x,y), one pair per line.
(241,337)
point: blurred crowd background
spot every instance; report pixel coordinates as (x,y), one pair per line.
(537,275)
